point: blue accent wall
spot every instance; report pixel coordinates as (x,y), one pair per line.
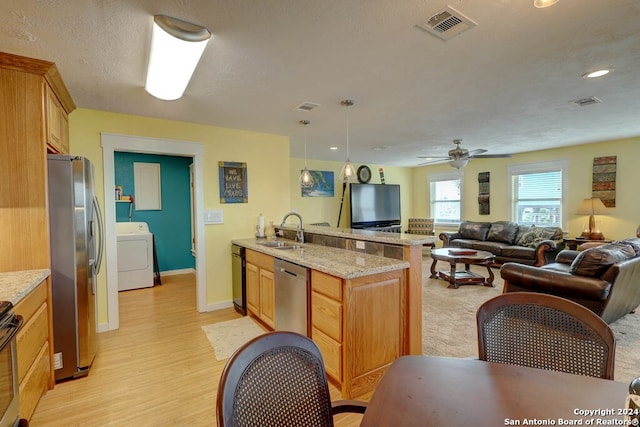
(170,226)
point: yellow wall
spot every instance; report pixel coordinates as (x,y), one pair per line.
(326,209)
(267,158)
(274,189)
(622,220)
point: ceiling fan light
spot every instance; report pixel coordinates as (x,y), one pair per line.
(176,48)
(459,163)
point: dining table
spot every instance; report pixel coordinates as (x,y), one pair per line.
(446,391)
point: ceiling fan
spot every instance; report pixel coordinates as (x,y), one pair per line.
(459,157)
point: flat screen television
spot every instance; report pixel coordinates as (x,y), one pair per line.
(375,205)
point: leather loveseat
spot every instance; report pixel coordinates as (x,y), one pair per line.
(605,279)
(508,241)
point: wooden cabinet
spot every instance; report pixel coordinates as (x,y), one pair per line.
(33,342)
(34,102)
(260,287)
(27,87)
(359,326)
(57,124)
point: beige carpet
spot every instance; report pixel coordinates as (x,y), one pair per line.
(227,337)
(449,323)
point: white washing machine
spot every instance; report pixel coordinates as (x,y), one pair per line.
(135,255)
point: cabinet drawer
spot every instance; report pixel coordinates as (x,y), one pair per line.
(327,285)
(35,383)
(30,338)
(331,353)
(260,259)
(326,315)
(32,302)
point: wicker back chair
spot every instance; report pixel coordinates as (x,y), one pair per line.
(278,379)
(547,332)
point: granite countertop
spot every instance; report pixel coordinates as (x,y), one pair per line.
(404,239)
(337,262)
(15,285)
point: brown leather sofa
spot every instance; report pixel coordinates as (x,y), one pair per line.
(508,241)
(605,279)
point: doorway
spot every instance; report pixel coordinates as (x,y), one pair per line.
(112,143)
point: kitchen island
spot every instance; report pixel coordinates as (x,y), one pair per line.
(361,300)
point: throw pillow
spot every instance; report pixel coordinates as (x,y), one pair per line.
(594,262)
(503,231)
(535,235)
(474,230)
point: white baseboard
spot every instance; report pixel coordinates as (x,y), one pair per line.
(218,306)
(103,327)
(176,272)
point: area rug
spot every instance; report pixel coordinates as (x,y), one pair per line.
(449,322)
(227,337)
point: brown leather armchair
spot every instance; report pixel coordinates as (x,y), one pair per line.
(605,279)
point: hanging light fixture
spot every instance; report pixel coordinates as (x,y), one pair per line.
(541,4)
(176,48)
(306,179)
(348,173)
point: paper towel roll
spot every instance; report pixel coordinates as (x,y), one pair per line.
(260,225)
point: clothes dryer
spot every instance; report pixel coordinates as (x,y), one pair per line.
(135,255)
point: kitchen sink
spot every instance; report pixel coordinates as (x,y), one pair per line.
(279,244)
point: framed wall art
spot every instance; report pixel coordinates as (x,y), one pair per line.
(323,185)
(233,182)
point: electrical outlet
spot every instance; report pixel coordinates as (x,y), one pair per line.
(359,244)
(57,361)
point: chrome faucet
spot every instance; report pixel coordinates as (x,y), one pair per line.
(300,232)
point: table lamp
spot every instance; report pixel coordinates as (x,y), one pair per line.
(592,207)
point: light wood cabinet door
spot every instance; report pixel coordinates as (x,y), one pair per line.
(253,288)
(57,124)
(267,297)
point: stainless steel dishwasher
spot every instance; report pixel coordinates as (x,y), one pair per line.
(292,296)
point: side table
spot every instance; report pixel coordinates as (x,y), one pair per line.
(573,243)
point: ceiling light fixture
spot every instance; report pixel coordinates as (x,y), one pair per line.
(459,163)
(597,73)
(541,4)
(348,173)
(306,179)
(176,48)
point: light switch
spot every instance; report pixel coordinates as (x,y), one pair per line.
(213,216)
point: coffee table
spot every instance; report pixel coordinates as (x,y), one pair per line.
(461,256)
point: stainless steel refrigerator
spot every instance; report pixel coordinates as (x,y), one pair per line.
(75,225)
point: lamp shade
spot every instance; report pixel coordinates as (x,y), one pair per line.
(176,48)
(592,206)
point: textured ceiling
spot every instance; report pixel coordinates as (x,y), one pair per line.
(504,85)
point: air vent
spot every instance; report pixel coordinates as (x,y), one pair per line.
(307,106)
(447,23)
(583,102)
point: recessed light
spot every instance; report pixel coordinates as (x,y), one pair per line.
(597,73)
(333,148)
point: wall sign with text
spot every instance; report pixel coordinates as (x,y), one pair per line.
(233,182)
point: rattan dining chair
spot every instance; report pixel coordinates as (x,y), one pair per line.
(547,332)
(278,379)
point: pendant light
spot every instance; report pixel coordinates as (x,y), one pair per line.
(348,173)
(306,179)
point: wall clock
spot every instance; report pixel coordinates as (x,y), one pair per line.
(364,174)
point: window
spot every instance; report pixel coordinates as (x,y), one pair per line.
(446,197)
(537,193)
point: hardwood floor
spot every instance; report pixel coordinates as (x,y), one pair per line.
(158,369)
